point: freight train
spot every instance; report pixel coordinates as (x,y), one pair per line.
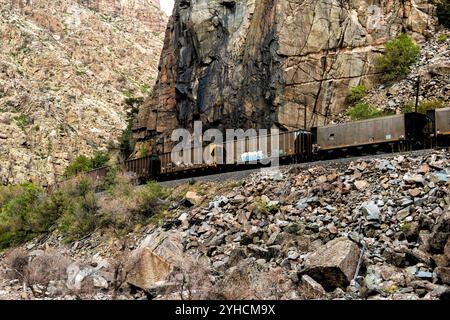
(404,132)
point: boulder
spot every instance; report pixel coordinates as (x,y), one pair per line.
(194,197)
(334,264)
(440,234)
(440,67)
(155,258)
(148,270)
(443,274)
(361,185)
(372,211)
(312,286)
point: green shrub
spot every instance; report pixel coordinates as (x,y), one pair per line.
(144,88)
(99,160)
(143,151)
(26,212)
(408,107)
(22,120)
(74,210)
(150,199)
(400,53)
(442,38)
(125,142)
(83,163)
(423,106)
(363,111)
(79,214)
(432,104)
(110,181)
(405,227)
(123,208)
(126,145)
(264,208)
(23,214)
(443,12)
(79,218)
(356,94)
(132,100)
(158,219)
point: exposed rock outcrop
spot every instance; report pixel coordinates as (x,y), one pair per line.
(66,69)
(260,63)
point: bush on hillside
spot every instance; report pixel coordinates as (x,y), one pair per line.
(75,211)
(424,106)
(442,38)
(20,207)
(27,211)
(83,163)
(356,94)
(125,141)
(363,110)
(150,199)
(79,215)
(400,54)
(35,271)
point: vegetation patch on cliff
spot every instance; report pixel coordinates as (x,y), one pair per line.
(362,110)
(83,163)
(400,54)
(424,106)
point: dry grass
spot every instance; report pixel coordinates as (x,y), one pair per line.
(50,266)
(36,272)
(16,262)
(195,281)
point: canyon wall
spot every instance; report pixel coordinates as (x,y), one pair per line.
(67,68)
(267,63)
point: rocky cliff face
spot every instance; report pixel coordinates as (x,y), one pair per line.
(66,68)
(263,63)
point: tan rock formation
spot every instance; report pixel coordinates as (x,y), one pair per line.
(66,69)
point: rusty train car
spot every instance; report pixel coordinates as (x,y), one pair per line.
(292,147)
(403,132)
(411,131)
(440,126)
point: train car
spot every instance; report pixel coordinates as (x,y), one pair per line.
(96,175)
(143,169)
(292,146)
(440,126)
(239,154)
(194,163)
(392,133)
